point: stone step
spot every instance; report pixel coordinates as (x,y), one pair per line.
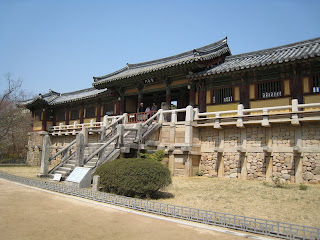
(89,166)
(63,173)
(69,165)
(66,169)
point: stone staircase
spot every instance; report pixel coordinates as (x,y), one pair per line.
(109,153)
(66,168)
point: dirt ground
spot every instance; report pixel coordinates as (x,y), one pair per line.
(27,213)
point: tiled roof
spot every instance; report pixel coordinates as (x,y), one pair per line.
(54,98)
(287,53)
(200,54)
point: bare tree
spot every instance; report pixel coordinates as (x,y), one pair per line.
(14,121)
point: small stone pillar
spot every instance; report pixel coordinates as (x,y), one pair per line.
(220,164)
(80,150)
(85,133)
(139,133)
(120,131)
(188,125)
(105,121)
(44,168)
(96,183)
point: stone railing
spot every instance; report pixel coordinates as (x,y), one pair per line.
(75,128)
(294,114)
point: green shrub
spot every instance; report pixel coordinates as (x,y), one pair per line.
(156,156)
(303,187)
(138,177)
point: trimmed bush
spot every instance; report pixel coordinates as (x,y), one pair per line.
(133,177)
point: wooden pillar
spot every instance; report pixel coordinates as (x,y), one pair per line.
(140,96)
(98,117)
(44,120)
(192,93)
(244,94)
(81,114)
(54,118)
(122,105)
(168,97)
(67,116)
(202,97)
(296,85)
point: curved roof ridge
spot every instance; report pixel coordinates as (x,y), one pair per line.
(274,49)
(80,91)
(285,53)
(111,74)
(185,57)
(205,49)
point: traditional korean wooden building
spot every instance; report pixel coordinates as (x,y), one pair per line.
(209,78)
(251,116)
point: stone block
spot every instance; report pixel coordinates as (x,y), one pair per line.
(234,175)
(308,176)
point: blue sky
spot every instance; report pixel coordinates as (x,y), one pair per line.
(61,45)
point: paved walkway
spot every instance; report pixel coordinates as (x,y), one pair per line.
(29,213)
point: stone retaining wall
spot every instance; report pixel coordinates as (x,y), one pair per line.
(243,152)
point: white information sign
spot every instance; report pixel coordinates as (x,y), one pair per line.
(78,174)
(57,177)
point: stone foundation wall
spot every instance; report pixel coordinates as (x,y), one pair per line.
(34,148)
(260,153)
(56,144)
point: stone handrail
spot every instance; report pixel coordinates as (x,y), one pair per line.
(151,119)
(241,116)
(75,128)
(140,117)
(101,148)
(62,150)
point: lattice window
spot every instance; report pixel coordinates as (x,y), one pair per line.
(37,116)
(315,84)
(60,116)
(90,112)
(222,95)
(269,89)
(108,109)
(74,114)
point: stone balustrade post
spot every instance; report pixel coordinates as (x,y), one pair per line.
(217,122)
(96,183)
(105,121)
(196,112)
(161,117)
(120,131)
(139,133)
(60,128)
(265,118)
(85,132)
(125,118)
(294,110)
(240,116)
(91,122)
(44,168)
(103,133)
(80,145)
(188,125)
(174,118)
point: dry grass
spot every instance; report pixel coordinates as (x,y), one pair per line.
(21,170)
(248,198)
